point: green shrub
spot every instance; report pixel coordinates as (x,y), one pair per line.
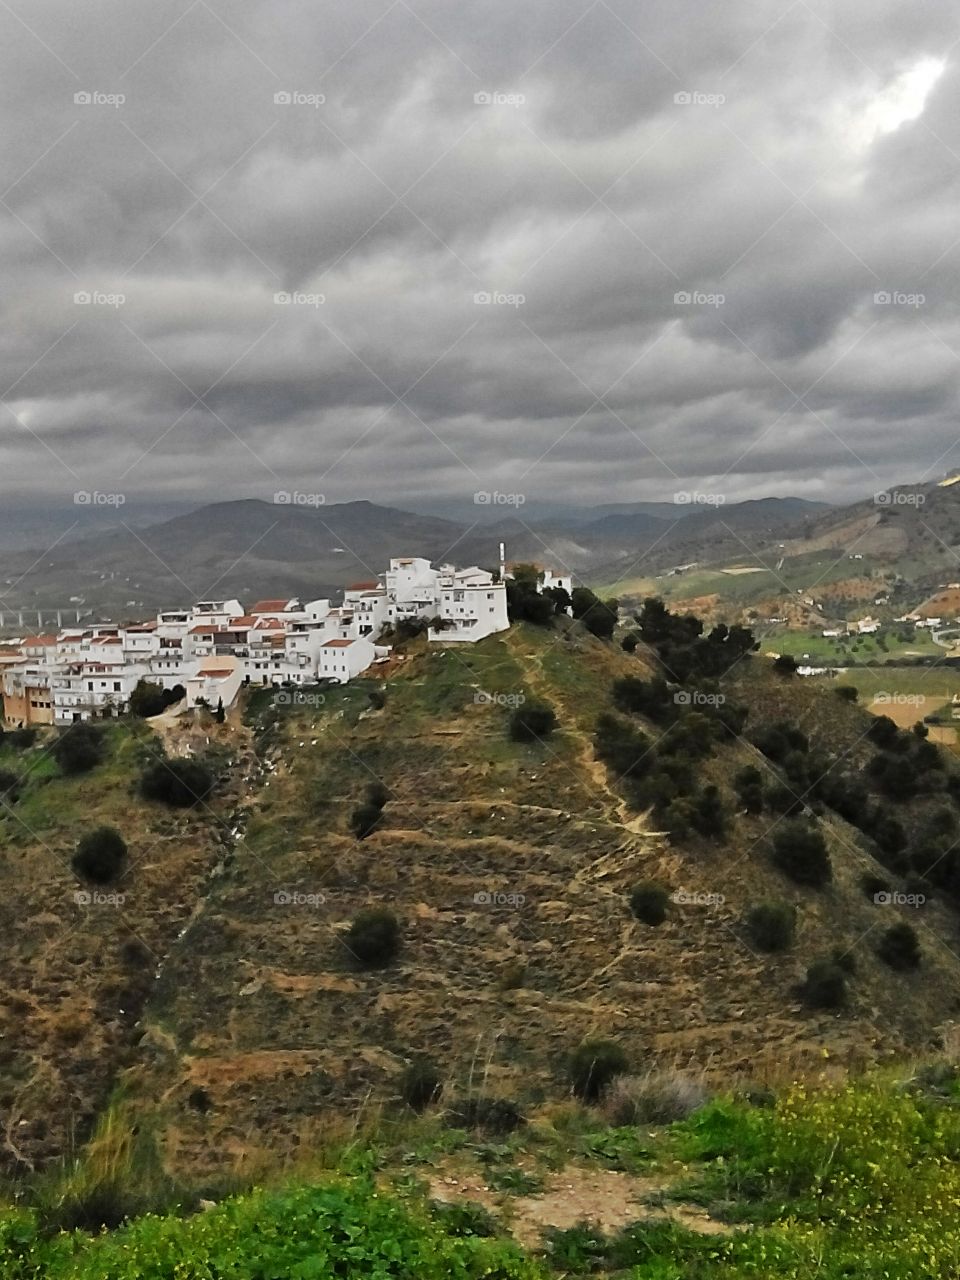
(825,986)
(847,692)
(899,947)
(772,926)
(872,885)
(100,855)
(629,642)
(374,936)
(800,852)
(79,747)
(532,722)
(180,782)
(9,787)
(594,1065)
(495,1116)
(365,819)
(649,902)
(420,1085)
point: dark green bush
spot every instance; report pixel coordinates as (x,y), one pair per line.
(497,1116)
(532,721)
(593,1065)
(100,855)
(800,852)
(649,901)
(180,782)
(374,936)
(825,986)
(420,1084)
(772,925)
(899,947)
(79,747)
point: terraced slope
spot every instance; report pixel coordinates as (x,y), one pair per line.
(508,866)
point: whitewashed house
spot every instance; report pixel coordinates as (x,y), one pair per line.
(345,659)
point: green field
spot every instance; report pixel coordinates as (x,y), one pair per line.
(885,646)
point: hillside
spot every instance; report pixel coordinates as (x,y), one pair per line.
(261,1026)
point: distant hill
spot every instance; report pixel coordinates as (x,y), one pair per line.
(251,548)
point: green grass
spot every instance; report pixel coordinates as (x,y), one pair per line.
(826,1183)
(839,651)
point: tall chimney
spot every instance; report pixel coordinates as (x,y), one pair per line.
(503,564)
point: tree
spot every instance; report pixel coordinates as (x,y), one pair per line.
(99,855)
(180,782)
(883,732)
(9,787)
(560,597)
(785,665)
(625,750)
(532,721)
(847,692)
(79,747)
(598,616)
(748,784)
(593,1065)
(800,852)
(220,715)
(147,699)
(629,642)
(374,936)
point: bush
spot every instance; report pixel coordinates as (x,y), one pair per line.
(772,926)
(374,936)
(498,1116)
(365,819)
(649,901)
(898,946)
(9,787)
(800,852)
(847,692)
(20,739)
(658,1097)
(420,1085)
(79,747)
(785,665)
(99,855)
(825,986)
(594,1065)
(180,782)
(629,642)
(748,784)
(532,721)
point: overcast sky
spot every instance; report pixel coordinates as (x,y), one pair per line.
(580,163)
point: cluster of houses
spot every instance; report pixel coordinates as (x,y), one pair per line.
(215,647)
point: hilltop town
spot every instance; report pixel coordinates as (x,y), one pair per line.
(204,654)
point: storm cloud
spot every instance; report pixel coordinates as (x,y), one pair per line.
(583,250)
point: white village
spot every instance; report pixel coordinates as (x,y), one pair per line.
(207,652)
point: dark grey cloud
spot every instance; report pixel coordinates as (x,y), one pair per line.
(814,165)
